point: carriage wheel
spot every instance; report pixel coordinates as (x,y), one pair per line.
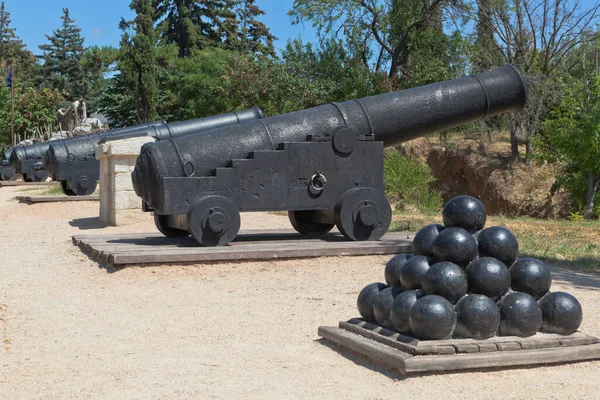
(363,214)
(213,221)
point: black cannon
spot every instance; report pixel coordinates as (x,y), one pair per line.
(323,165)
(7,172)
(73,162)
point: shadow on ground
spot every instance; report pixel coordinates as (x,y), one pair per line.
(584,280)
(85,224)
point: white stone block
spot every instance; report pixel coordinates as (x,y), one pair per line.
(123,181)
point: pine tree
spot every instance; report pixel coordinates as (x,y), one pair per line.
(62,60)
(138,60)
(254,36)
(13,51)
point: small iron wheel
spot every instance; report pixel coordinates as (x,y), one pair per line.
(7,173)
(161,224)
(213,221)
(363,214)
(64,185)
(36,176)
(304,223)
(82,184)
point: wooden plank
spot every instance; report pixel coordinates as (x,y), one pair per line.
(21,183)
(371,349)
(502,359)
(376,336)
(249,254)
(502,339)
(487,347)
(466,348)
(434,349)
(55,199)
(540,344)
(245,235)
(577,341)
(509,346)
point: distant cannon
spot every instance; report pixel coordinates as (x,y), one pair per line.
(323,165)
(7,172)
(73,163)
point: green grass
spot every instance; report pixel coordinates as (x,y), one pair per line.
(569,244)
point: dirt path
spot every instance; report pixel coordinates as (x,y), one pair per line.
(71,329)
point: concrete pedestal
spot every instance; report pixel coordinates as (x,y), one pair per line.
(119,205)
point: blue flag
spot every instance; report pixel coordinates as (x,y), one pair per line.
(9,78)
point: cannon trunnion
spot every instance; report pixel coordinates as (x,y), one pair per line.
(323,165)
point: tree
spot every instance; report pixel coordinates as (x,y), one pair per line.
(137,62)
(386,32)
(254,36)
(62,57)
(571,138)
(536,36)
(193,25)
(13,52)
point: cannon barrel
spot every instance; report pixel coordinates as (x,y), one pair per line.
(37,151)
(390,118)
(83,147)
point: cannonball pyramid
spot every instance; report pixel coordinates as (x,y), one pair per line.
(467,281)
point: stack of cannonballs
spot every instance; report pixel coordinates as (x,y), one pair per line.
(464,281)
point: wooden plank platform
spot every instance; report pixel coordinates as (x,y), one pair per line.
(249,245)
(410,355)
(22,183)
(55,199)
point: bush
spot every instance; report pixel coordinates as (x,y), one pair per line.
(407,183)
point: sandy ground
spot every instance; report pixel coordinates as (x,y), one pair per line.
(71,329)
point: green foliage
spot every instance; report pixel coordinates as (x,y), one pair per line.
(34,110)
(137,61)
(407,183)
(62,57)
(571,139)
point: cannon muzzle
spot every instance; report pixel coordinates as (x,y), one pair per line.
(391,118)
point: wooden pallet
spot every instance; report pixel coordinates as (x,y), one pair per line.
(409,355)
(250,245)
(22,183)
(55,199)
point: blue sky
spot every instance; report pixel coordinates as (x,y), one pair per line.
(99,20)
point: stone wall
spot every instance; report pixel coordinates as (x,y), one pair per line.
(119,205)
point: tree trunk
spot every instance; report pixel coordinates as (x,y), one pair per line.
(593,182)
(528,149)
(514,142)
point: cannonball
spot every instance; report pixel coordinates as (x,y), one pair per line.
(447,280)
(423,240)
(455,245)
(401,309)
(500,243)
(520,315)
(432,318)
(393,267)
(489,277)
(531,276)
(477,317)
(561,313)
(411,274)
(382,304)
(465,212)
(365,300)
